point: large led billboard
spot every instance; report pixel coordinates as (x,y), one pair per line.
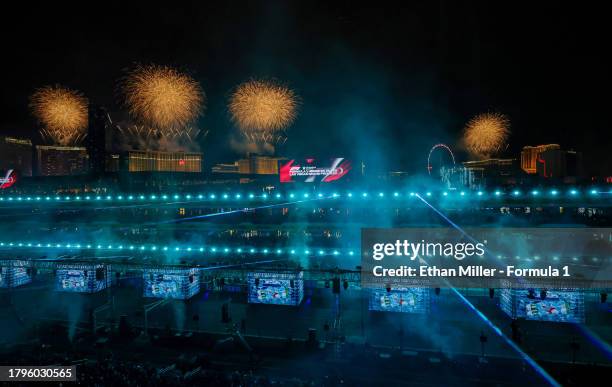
(403,300)
(566,305)
(284,288)
(82,278)
(180,284)
(309,170)
(11,277)
(10,178)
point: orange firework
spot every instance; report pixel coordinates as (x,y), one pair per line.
(486,134)
(262,109)
(162,97)
(62,113)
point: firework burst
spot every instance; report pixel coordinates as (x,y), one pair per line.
(162,97)
(62,113)
(263,109)
(486,134)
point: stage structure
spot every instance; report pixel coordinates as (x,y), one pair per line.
(82,278)
(14,276)
(278,288)
(403,300)
(556,305)
(176,283)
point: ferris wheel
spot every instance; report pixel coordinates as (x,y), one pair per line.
(441,147)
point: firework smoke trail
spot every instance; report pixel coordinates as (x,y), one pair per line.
(163,98)
(62,113)
(549,379)
(263,109)
(486,134)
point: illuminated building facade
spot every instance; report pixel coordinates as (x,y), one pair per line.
(530,154)
(559,164)
(491,172)
(156,161)
(252,165)
(61,160)
(16,155)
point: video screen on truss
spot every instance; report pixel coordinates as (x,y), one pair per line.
(72,281)
(82,279)
(403,300)
(11,277)
(276,288)
(549,305)
(161,283)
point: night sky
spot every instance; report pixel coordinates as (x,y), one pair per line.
(382,82)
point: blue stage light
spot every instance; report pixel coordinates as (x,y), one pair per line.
(480,193)
(278,196)
(573,192)
(291,196)
(380,194)
(320,195)
(306,195)
(251,196)
(350,195)
(554,192)
(534,193)
(365,194)
(497,193)
(396,194)
(516,193)
(444,193)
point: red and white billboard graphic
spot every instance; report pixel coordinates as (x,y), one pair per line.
(308,171)
(9,179)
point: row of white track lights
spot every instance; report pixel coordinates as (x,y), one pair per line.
(238,196)
(214,250)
